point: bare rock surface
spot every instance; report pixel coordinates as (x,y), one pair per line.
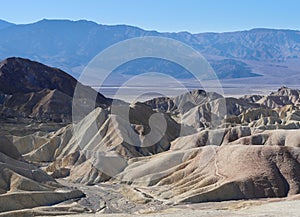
(23,185)
(170,153)
(215,173)
(30,89)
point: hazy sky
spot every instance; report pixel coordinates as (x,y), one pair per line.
(162,15)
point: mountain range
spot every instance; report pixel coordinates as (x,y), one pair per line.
(70,45)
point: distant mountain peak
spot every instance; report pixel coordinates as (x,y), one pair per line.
(4,24)
(271,30)
(45,20)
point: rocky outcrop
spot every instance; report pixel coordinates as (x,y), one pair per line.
(182,103)
(9,149)
(112,137)
(32,90)
(210,137)
(213,173)
(271,137)
(23,185)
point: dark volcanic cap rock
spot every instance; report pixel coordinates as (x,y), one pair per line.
(18,75)
(25,84)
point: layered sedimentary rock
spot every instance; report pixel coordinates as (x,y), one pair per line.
(196,147)
(213,173)
(23,185)
(76,148)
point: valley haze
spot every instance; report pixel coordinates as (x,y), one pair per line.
(257,59)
